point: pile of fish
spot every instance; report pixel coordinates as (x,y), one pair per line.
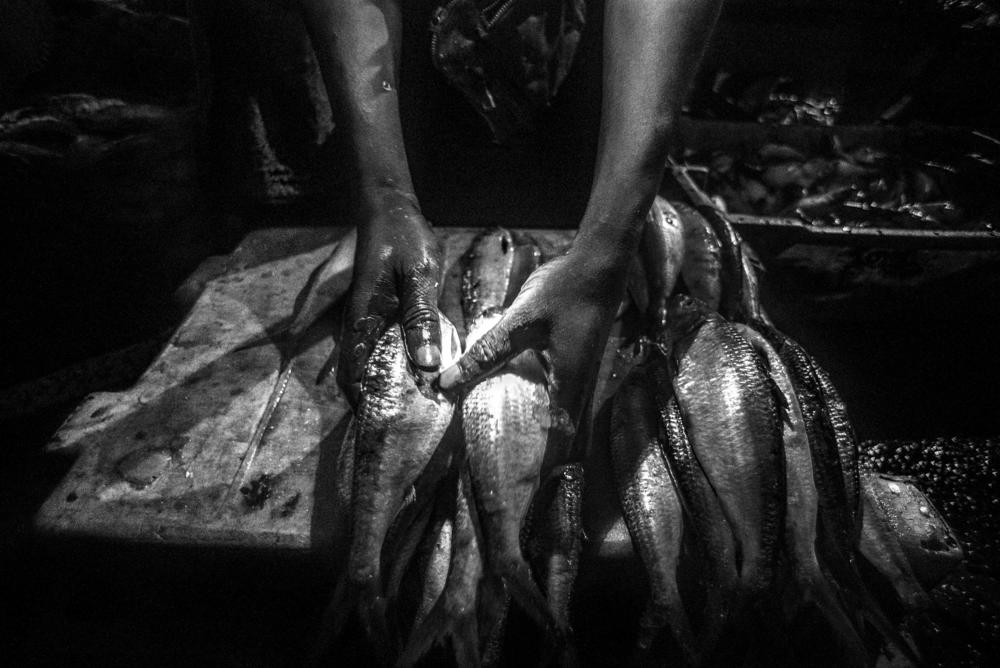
(734,462)
(458,511)
(766,98)
(860,186)
(736,465)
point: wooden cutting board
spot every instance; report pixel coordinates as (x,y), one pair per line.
(173,458)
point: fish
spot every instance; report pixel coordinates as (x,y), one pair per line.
(454,613)
(701,268)
(653,511)
(880,544)
(846,440)
(723,591)
(553,539)
(731,413)
(507,422)
(662,253)
(810,582)
(399,424)
(838,535)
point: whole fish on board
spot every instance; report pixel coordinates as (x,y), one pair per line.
(399,425)
(507,423)
(732,414)
(400,422)
(652,509)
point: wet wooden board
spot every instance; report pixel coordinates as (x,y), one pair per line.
(171,459)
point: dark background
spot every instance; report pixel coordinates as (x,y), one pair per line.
(93,258)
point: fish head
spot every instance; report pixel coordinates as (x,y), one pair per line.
(495,267)
(486,272)
(684,315)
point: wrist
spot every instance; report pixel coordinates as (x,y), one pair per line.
(599,266)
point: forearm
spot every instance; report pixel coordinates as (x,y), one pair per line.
(357,43)
(651,51)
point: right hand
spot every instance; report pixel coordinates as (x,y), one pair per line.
(397,271)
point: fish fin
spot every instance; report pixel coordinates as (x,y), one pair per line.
(817,590)
(438,627)
(658,616)
(517,577)
(494,608)
(860,597)
(405,551)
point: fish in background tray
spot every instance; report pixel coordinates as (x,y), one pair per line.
(859,186)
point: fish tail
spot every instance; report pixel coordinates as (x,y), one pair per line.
(670,612)
(344,600)
(861,597)
(819,591)
(494,605)
(438,627)
(516,575)
(714,623)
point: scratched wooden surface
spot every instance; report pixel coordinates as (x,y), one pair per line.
(167,459)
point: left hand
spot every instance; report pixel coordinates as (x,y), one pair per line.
(564,311)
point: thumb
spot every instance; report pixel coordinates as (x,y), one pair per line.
(488,354)
(421,324)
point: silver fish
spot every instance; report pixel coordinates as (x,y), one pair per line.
(453,614)
(653,510)
(731,408)
(802,513)
(506,419)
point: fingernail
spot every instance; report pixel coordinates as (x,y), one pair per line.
(449,377)
(427,356)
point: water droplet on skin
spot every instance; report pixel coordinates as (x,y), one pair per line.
(386,86)
(924,510)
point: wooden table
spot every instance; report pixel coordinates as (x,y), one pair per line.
(166,460)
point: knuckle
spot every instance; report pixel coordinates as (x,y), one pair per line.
(420,313)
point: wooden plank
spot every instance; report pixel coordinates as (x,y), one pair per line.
(167,459)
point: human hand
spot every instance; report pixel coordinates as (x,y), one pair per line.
(564,311)
(397,269)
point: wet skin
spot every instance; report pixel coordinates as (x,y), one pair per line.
(565,309)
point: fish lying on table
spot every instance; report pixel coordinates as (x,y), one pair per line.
(398,433)
(509,430)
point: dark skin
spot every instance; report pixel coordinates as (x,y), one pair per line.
(566,308)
